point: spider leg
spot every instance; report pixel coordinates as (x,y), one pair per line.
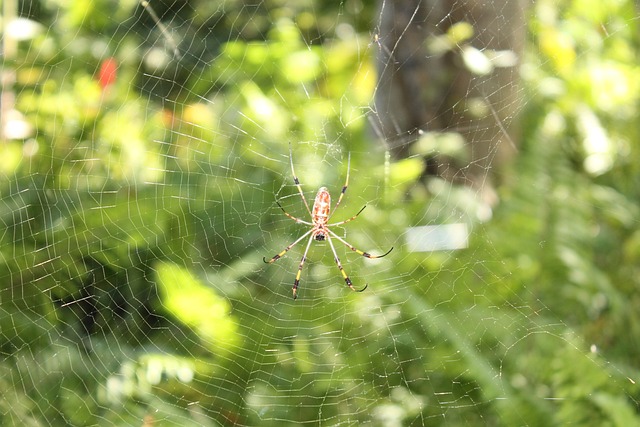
(277,257)
(344,187)
(297,182)
(358,251)
(301,221)
(344,273)
(350,219)
(296,282)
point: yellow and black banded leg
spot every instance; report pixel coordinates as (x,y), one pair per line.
(301,221)
(297,182)
(344,189)
(347,220)
(278,256)
(344,273)
(296,282)
(358,251)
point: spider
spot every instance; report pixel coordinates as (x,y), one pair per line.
(320,231)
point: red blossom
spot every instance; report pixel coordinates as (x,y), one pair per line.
(108,72)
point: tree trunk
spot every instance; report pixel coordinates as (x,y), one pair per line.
(429,83)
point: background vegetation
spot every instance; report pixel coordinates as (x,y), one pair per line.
(135,218)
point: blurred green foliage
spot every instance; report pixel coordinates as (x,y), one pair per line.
(136,218)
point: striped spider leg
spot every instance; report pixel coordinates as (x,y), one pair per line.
(320,231)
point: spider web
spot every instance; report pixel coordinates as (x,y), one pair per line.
(146,149)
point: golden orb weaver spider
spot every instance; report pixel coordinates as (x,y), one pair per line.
(320,214)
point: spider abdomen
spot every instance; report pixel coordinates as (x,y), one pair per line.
(321,206)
